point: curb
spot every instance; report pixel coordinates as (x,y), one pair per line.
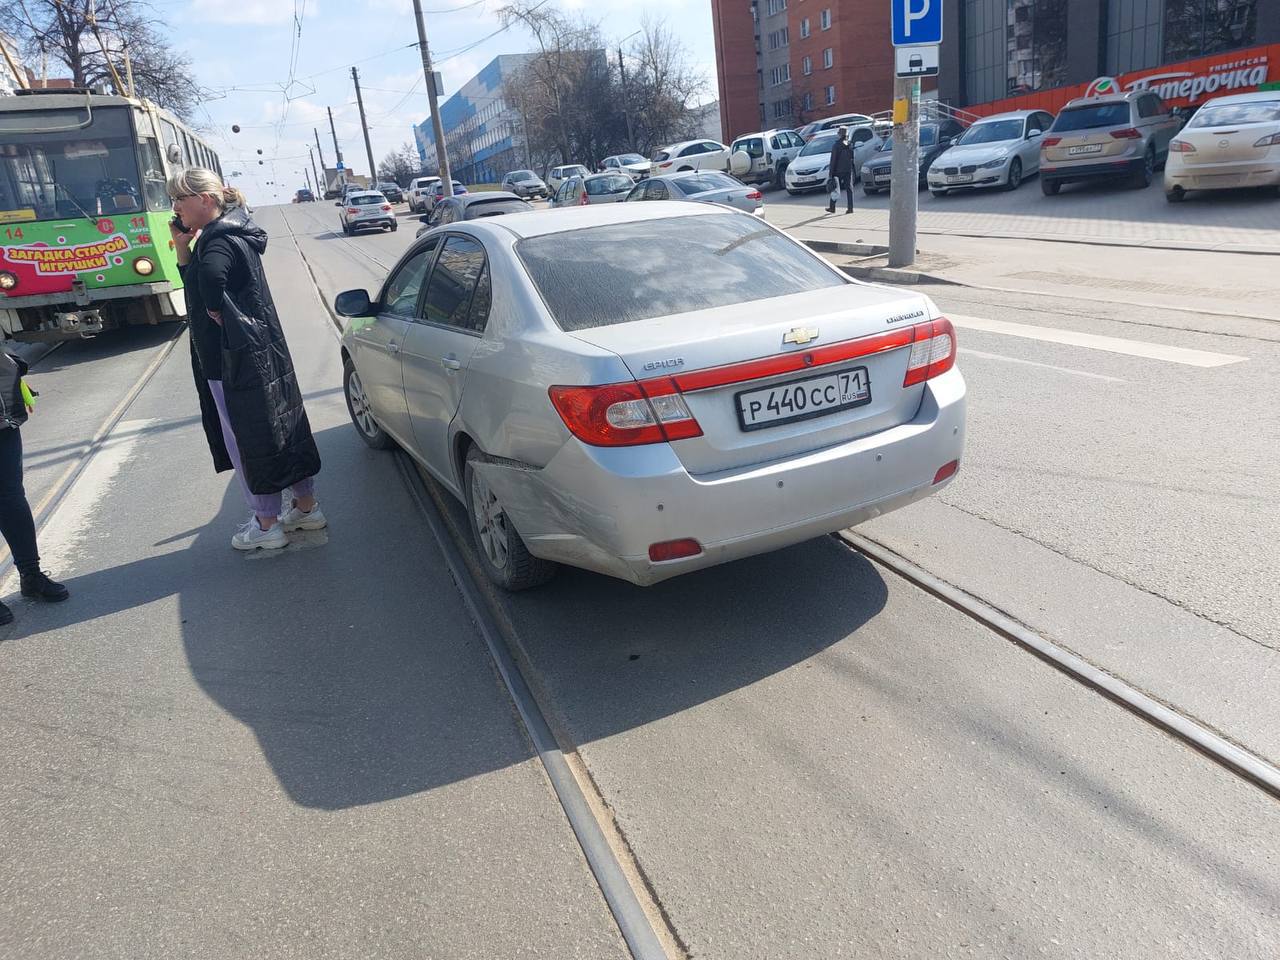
(896,275)
(849,249)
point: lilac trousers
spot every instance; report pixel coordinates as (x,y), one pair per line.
(263,504)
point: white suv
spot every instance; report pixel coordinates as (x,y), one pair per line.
(764,156)
(690,155)
(422,194)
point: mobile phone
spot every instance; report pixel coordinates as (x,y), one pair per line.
(177,222)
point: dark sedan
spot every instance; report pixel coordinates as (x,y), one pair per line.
(391,191)
(472,206)
(935,139)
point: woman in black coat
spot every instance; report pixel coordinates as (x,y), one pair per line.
(249,397)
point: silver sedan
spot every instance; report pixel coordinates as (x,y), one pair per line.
(700,186)
(644,390)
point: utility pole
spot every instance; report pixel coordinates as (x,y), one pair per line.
(626,110)
(437,128)
(373,170)
(342,174)
(319,186)
(904,185)
(308,173)
(324,185)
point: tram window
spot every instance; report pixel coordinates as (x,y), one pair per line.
(154,191)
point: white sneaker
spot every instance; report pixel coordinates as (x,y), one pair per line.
(251,537)
(295,519)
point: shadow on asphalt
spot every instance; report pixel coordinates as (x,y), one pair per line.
(113,343)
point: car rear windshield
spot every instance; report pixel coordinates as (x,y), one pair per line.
(367,198)
(1259,111)
(660,156)
(698,183)
(492,208)
(599,276)
(522,175)
(600,186)
(1094,115)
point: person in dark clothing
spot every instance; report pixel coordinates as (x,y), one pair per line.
(16,521)
(840,169)
(250,402)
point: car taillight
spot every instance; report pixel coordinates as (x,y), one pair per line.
(933,351)
(755,195)
(665,165)
(625,414)
(353,209)
(1050,141)
(674,550)
(1270,141)
(1128,133)
(386,206)
(1181,146)
(582,200)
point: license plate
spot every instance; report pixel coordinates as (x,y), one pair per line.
(1087,148)
(961,178)
(803,399)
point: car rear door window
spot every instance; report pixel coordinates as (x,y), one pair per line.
(657,191)
(453,281)
(400,296)
(617,273)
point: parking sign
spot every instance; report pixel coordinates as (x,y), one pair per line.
(916,22)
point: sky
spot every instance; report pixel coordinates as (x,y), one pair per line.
(242,52)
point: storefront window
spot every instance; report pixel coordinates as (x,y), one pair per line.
(1036,42)
(1194,28)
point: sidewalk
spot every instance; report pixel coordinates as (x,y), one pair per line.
(1215,281)
(303,754)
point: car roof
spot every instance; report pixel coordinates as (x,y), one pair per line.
(538,223)
(1127,97)
(684,174)
(603,173)
(1257,96)
(1008,115)
(469,198)
(366,193)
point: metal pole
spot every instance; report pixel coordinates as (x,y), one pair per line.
(319,185)
(17,75)
(308,173)
(342,174)
(626,110)
(324,184)
(437,128)
(373,170)
(905,175)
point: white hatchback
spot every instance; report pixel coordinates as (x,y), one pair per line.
(1230,142)
(366,208)
(690,155)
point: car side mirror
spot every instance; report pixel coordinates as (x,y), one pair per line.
(1032,134)
(352,303)
(425,218)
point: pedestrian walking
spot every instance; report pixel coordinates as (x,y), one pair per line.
(16,522)
(250,402)
(840,175)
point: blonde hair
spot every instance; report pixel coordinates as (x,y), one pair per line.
(198,180)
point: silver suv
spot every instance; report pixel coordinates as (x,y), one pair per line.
(1123,136)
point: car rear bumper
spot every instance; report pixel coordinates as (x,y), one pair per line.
(601,508)
(1222,176)
(387,221)
(1069,172)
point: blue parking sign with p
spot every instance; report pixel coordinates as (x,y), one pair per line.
(916,22)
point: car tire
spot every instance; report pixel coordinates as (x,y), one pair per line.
(779,177)
(502,553)
(1176,195)
(1014,179)
(1049,188)
(869,191)
(358,407)
(395,227)
(1142,177)
(938,193)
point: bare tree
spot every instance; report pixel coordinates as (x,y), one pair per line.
(400,165)
(661,86)
(90,39)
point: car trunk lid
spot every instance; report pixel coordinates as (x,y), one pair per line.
(1226,144)
(725,358)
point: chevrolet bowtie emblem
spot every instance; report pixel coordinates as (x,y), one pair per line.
(800,335)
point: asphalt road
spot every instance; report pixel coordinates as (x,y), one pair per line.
(309,756)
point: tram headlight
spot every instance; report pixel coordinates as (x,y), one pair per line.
(8,281)
(144,266)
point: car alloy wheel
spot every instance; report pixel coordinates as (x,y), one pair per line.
(503,554)
(1015,174)
(361,414)
(491,522)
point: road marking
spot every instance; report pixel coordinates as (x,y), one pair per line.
(1046,366)
(1073,338)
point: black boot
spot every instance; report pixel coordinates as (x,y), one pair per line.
(6,615)
(831,207)
(36,583)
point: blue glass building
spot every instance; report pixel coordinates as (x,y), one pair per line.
(481,130)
